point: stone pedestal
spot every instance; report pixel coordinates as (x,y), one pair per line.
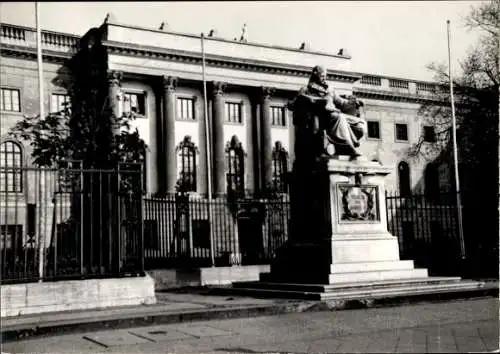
(339,227)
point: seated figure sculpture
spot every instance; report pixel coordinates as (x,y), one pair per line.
(324,114)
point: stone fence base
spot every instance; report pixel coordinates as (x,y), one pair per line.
(34,298)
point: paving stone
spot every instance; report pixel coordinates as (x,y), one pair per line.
(468,342)
(384,342)
(204,331)
(441,344)
(355,344)
(412,341)
(115,338)
(325,345)
(160,333)
(490,336)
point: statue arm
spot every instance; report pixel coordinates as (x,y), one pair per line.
(339,102)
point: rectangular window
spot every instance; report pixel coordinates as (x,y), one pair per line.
(60,103)
(278,116)
(233,112)
(134,103)
(429,134)
(373,130)
(201,233)
(401,132)
(185,108)
(151,235)
(9,100)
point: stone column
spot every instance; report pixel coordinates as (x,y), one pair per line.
(267,144)
(115,99)
(219,172)
(169,85)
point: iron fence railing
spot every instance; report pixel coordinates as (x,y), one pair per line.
(75,223)
(427,229)
(70,223)
(178,230)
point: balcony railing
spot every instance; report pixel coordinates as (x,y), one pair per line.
(26,37)
(371,80)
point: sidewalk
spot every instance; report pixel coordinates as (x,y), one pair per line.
(461,326)
(195,304)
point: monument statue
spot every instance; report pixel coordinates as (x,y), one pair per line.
(321,116)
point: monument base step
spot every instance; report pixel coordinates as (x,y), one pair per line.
(376,275)
(354,267)
(355,290)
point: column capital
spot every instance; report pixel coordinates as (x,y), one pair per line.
(267,92)
(218,88)
(115,77)
(169,83)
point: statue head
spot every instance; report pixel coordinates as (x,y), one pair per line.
(319,75)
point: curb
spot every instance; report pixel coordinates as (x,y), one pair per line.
(54,328)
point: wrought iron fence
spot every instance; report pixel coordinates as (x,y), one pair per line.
(179,230)
(427,229)
(70,223)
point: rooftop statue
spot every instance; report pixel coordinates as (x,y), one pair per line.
(321,115)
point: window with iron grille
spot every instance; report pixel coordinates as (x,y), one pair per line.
(60,103)
(431,181)
(11,237)
(185,108)
(373,129)
(280,168)
(187,165)
(429,134)
(10,100)
(11,176)
(404,179)
(235,158)
(278,116)
(134,103)
(233,112)
(401,132)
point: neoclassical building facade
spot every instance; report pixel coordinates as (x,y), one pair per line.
(157,75)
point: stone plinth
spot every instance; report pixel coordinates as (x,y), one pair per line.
(34,298)
(343,236)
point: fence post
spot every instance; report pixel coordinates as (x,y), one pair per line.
(141,220)
(41,224)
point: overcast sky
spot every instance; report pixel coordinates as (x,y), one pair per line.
(396,38)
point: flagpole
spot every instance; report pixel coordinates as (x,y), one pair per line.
(42,222)
(455,152)
(208,151)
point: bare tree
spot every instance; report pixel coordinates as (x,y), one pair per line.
(476,97)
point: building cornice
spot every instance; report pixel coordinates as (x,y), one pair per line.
(49,56)
(222,61)
(392,96)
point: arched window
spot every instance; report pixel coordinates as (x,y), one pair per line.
(280,167)
(235,162)
(431,181)
(11,176)
(186,163)
(404,179)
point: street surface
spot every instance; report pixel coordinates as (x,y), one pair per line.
(458,326)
